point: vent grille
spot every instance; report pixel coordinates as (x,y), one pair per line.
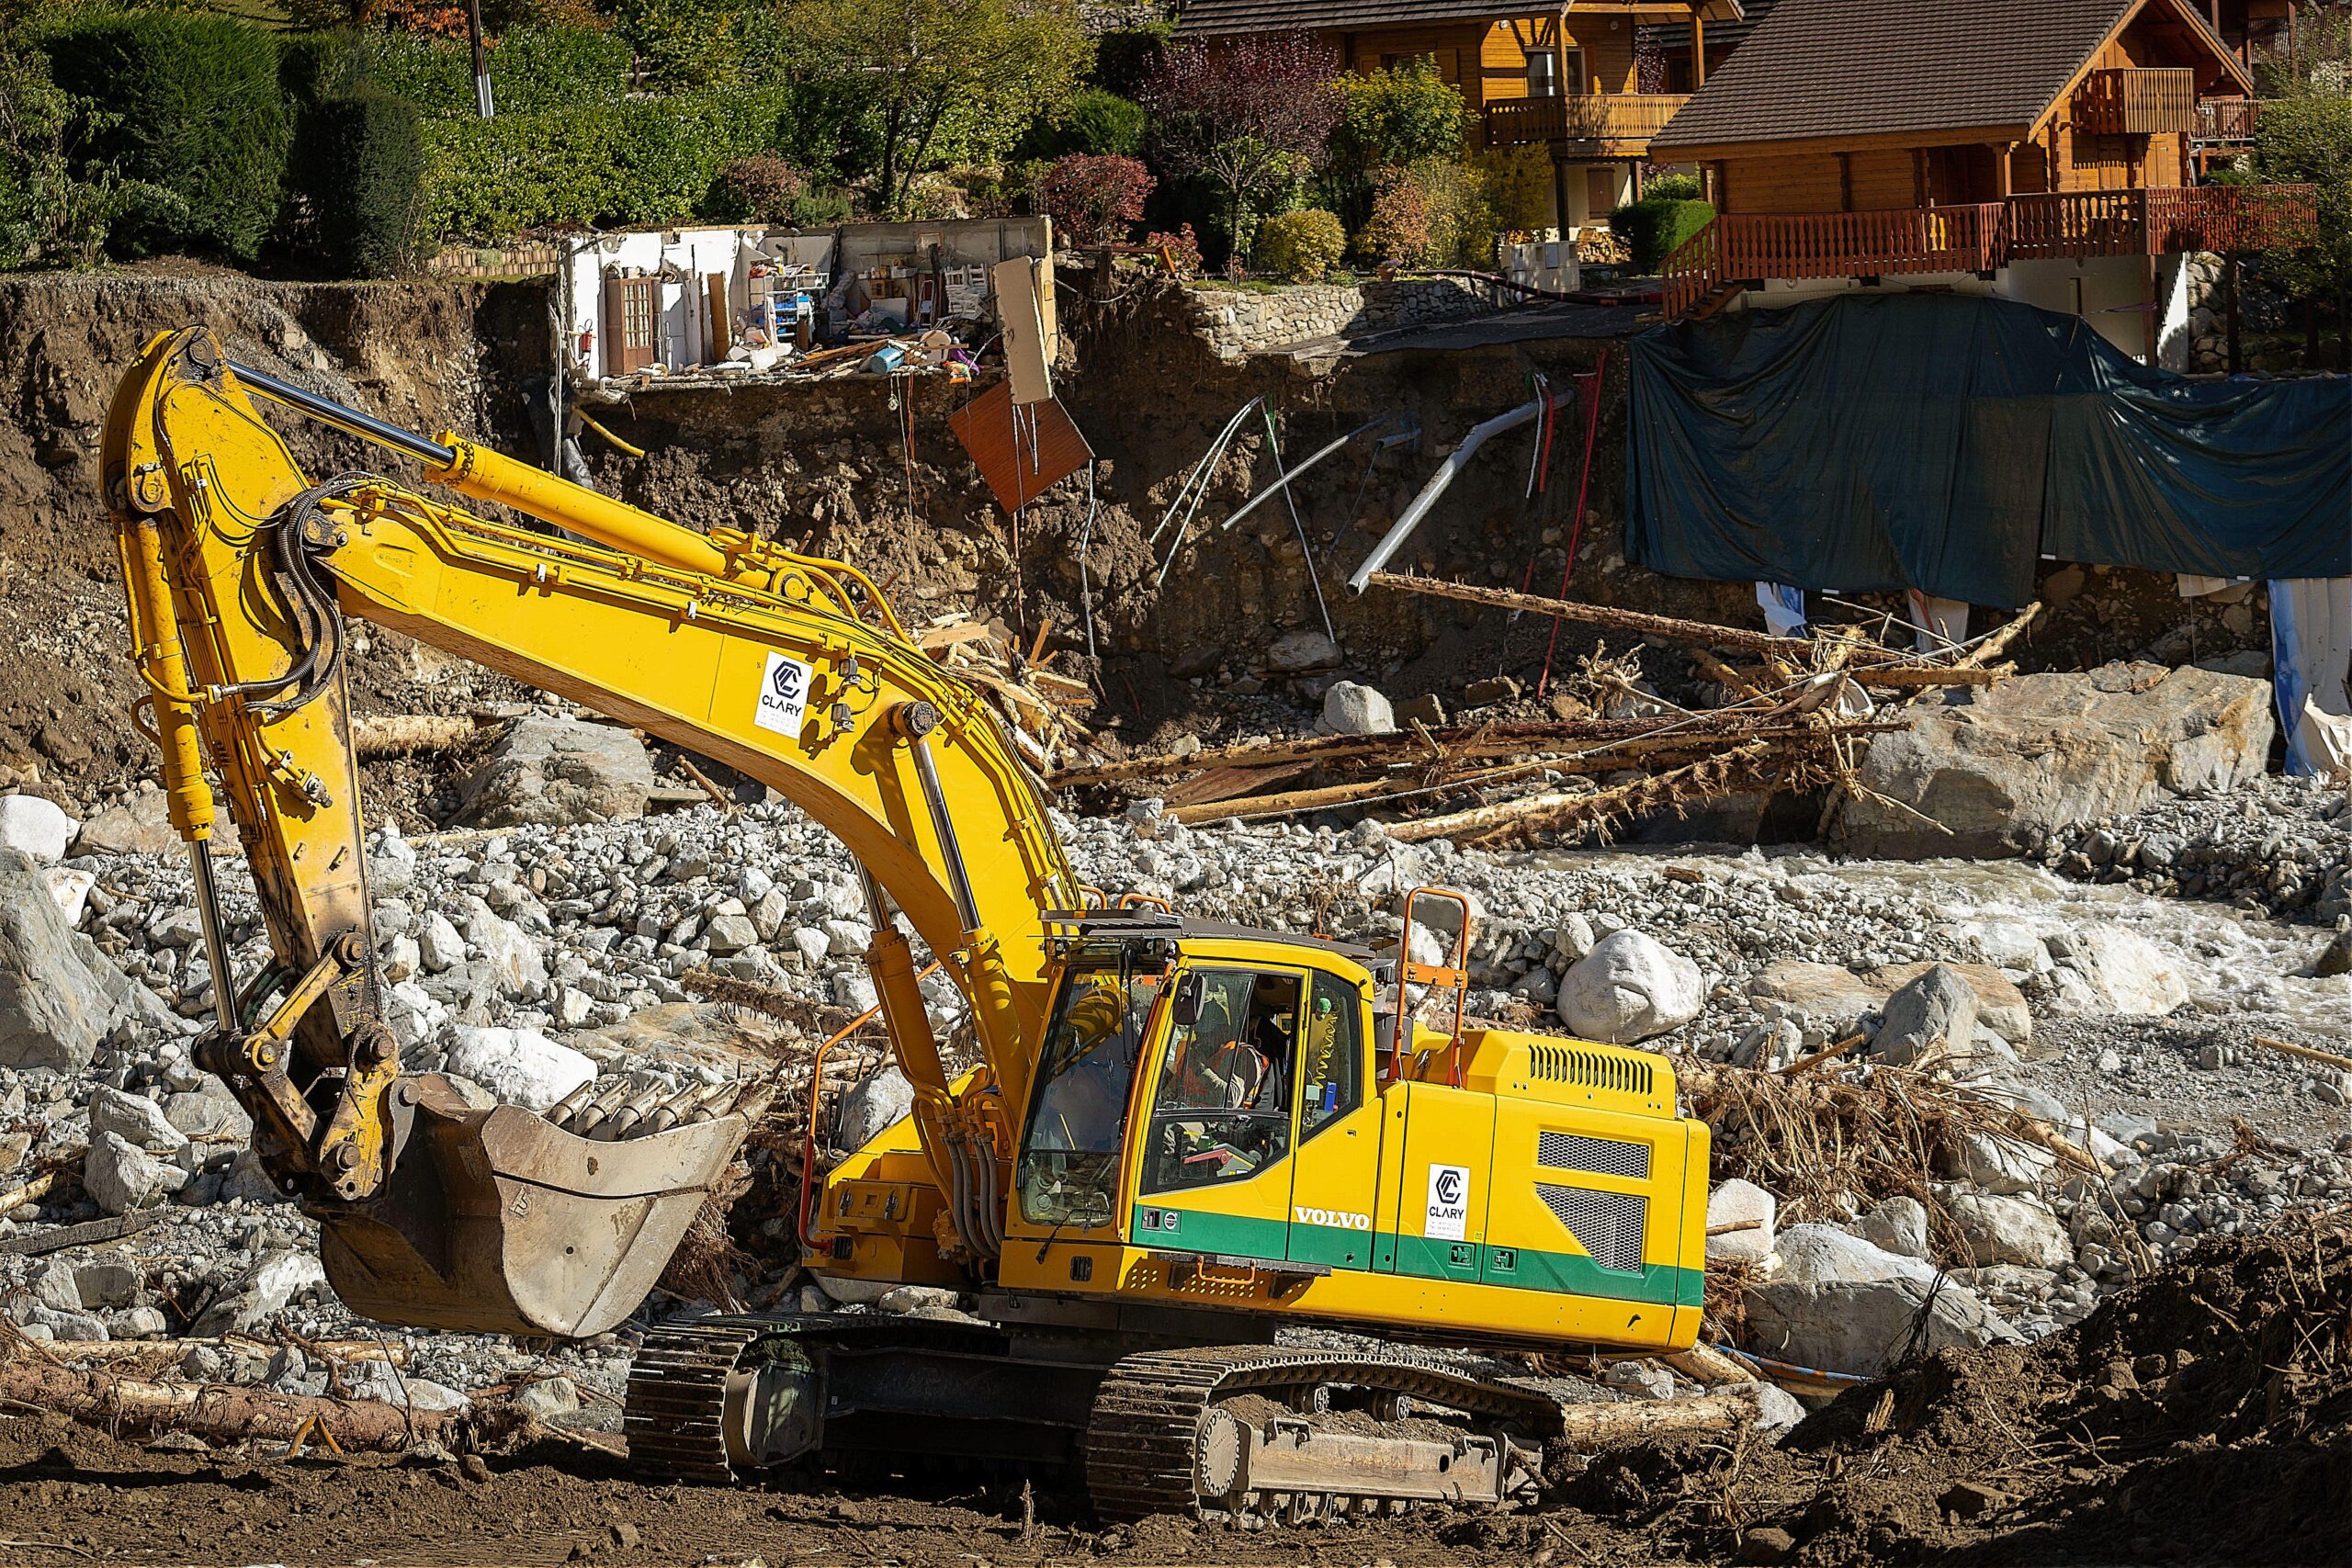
(1607,1225)
(1599,1156)
(1592,1069)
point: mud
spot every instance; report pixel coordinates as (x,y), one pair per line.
(2205,1417)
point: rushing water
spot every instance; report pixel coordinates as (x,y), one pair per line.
(2236,962)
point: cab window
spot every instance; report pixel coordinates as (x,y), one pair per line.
(1078,1122)
(1330,1055)
(1222,1109)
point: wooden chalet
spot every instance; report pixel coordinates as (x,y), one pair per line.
(1566,77)
(2039,148)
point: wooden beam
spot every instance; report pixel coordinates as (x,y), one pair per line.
(1845,182)
(1699,49)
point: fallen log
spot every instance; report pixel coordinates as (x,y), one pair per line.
(1723,773)
(1702,1363)
(1601,1426)
(215,1412)
(2309,1054)
(1925,675)
(394,735)
(28,1192)
(1762,644)
(87,1234)
(172,1350)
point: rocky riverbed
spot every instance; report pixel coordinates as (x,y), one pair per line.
(534,958)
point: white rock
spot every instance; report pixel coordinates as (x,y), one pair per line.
(854,1293)
(812,944)
(2010,1230)
(438,944)
(849,938)
(1823,1255)
(513,956)
(35,827)
(138,1120)
(1898,1225)
(1738,1202)
(399,960)
(1352,709)
(549,1397)
(119,1176)
(1777,1409)
(874,1106)
(414,1013)
(521,1067)
(2127,972)
(70,889)
(272,1285)
(1630,987)
(2004,1165)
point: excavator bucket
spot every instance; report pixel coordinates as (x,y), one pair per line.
(499,1221)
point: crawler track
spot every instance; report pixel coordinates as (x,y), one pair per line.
(1143,1447)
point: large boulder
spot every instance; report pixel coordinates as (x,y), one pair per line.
(119,1176)
(275,1283)
(2109,970)
(37,827)
(2046,751)
(54,1004)
(1833,999)
(1629,987)
(1743,1204)
(141,825)
(138,1120)
(1353,709)
(555,771)
(874,1106)
(521,1067)
(2010,1230)
(1840,1305)
(1935,1013)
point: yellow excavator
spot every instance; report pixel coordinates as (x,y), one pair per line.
(1210,1187)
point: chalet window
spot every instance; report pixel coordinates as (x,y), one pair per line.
(632,310)
(1543,74)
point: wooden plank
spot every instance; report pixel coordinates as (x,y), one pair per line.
(939,638)
(88,1233)
(1017,469)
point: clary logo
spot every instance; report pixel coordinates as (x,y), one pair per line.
(1338,1219)
(784,695)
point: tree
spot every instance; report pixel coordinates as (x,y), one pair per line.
(1400,114)
(949,80)
(1250,115)
(2306,139)
(1093,199)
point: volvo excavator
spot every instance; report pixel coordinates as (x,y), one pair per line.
(1213,1190)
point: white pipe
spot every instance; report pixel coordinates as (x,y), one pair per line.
(1402,529)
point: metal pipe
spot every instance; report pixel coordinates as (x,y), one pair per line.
(959,881)
(1402,529)
(216,946)
(1266,494)
(350,421)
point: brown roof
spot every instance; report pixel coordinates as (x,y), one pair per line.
(1209,18)
(1853,68)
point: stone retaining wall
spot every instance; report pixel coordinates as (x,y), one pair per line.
(1240,322)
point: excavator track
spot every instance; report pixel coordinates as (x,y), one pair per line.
(1151,1447)
(677,1399)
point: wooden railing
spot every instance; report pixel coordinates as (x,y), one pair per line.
(2227,119)
(1623,121)
(2137,101)
(1738,250)
(2077,223)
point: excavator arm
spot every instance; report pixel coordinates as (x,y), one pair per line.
(240,571)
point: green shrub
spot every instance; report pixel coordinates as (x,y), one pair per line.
(1301,246)
(361,164)
(647,161)
(1674,187)
(1654,230)
(762,188)
(1095,124)
(536,70)
(314,67)
(201,116)
(1401,114)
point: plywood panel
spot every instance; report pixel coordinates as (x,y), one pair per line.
(1019,459)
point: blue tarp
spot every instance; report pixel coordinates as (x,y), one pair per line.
(1946,441)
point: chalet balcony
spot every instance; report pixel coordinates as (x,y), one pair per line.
(2137,102)
(2226,120)
(1737,250)
(1599,125)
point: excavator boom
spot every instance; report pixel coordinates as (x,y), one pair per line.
(240,572)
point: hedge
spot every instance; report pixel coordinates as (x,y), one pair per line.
(1654,230)
(532,71)
(202,115)
(644,161)
(361,164)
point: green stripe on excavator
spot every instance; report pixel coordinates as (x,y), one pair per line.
(1521,1268)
